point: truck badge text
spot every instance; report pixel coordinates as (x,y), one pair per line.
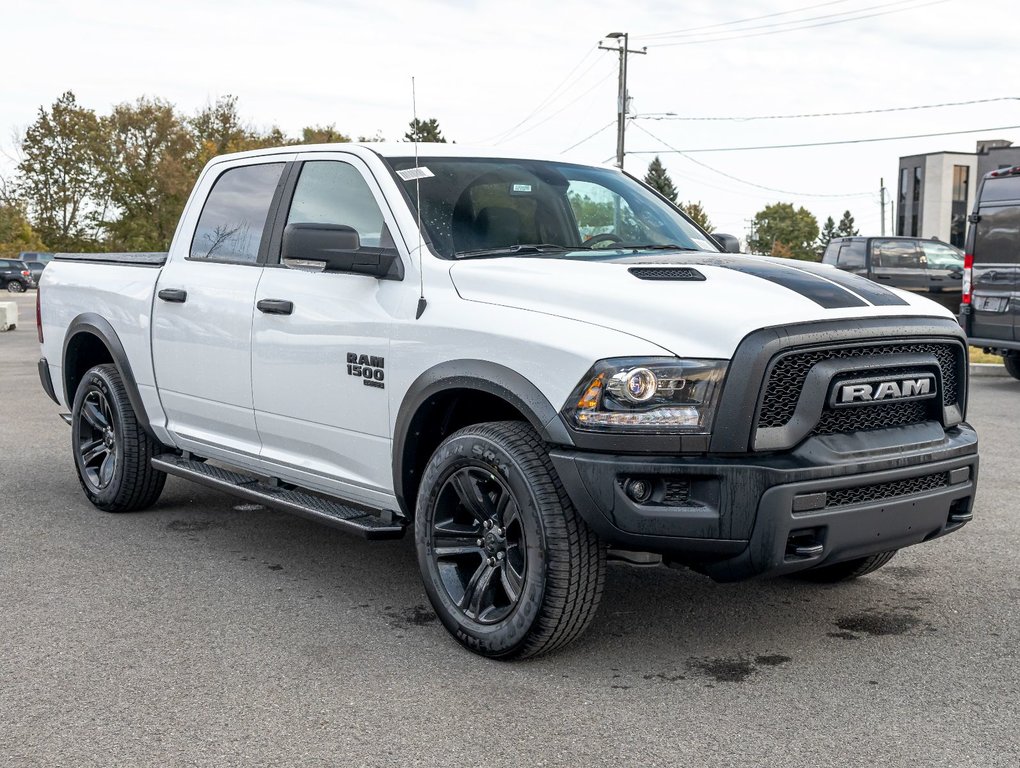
(368,368)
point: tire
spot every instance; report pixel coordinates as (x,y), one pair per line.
(491,511)
(845,571)
(15,287)
(1012,362)
(112,453)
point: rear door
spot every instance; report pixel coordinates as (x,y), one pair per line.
(944,265)
(898,263)
(995,306)
(321,340)
(202,313)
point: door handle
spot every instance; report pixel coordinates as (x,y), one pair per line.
(175,295)
(275,306)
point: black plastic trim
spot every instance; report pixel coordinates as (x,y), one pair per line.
(483,376)
(46,381)
(139,259)
(993,343)
(95,325)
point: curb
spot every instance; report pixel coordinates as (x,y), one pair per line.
(987,370)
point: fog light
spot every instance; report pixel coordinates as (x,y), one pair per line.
(638,491)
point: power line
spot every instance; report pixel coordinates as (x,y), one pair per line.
(797,28)
(672,116)
(589,136)
(737,178)
(833,143)
(551,115)
(689,30)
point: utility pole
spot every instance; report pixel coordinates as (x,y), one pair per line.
(881,191)
(621,106)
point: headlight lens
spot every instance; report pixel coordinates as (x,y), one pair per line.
(647,395)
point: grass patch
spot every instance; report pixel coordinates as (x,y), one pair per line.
(978,356)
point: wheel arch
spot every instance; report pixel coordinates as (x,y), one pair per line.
(90,341)
(456,394)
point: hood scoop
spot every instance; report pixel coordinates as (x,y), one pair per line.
(679,274)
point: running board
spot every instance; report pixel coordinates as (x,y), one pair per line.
(333,513)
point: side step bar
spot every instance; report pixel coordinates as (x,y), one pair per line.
(333,513)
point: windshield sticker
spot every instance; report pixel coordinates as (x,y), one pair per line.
(410,174)
(520,189)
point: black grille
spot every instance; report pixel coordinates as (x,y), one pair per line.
(865,417)
(787,377)
(677,493)
(666,273)
(865,493)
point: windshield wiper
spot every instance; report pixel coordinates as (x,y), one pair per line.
(513,250)
(655,247)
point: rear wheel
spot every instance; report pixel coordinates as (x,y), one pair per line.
(1012,362)
(845,571)
(112,452)
(15,287)
(508,564)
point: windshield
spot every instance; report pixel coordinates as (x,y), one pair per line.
(492,207)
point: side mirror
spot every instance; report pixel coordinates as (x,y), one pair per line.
(728,243)
(337,248)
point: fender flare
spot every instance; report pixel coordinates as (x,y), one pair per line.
(100,327)
(482,376)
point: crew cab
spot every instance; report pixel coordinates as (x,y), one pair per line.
(532,365)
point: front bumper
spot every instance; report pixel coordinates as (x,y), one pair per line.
(834,498)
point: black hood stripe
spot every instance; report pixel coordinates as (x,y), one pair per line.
(877,294)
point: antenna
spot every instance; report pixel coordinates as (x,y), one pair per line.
(417,193)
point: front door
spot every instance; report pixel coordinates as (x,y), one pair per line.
(321,343)
(202,313)
(897,263)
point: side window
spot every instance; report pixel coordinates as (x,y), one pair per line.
(851,254)
(333,192)
(896,254)
(941,256)
(234,216)
(600,211)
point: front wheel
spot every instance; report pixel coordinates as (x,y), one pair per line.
(112,452)
(508,564)
(15,287)
(845,571)
(1012,362)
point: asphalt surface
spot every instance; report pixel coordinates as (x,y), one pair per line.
(208,632)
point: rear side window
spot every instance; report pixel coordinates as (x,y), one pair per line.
(939,256)
(896,254)
(851,255)
(1001,188)
(230,227)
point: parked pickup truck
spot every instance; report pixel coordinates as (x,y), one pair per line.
(532,365)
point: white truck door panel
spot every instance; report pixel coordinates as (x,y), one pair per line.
(319,373)
(202,313)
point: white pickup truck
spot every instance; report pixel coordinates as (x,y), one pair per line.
(534,364)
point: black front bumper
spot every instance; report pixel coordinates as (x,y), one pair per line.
(833,498)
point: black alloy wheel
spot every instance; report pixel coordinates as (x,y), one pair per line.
(97,441)
(479,544)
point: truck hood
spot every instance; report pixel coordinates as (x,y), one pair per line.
(701,312)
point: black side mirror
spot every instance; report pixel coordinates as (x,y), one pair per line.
(728,243)
(337,248)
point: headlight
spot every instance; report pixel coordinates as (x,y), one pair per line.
(650,395)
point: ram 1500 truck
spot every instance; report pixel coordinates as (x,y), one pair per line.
(533,365)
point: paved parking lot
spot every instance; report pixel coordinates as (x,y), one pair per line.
(208,632)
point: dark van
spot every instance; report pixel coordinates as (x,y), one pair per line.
(991,289)
(926,266)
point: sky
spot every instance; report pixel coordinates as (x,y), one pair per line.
(528,75)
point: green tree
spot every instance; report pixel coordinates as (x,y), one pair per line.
(658,179)
(779,229)
(148,174)
(16,233)
(425,130)
(323,134)
(846,226)
(60,177)
(218,129)
(697,212)
(828,232)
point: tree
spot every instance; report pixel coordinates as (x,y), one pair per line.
(218,129)
(148,174)
(697,212)
(828,232)
(846,226)
(323,134)
(60,177)
(425,130)
(780,229)
(16,233)
(658,179)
